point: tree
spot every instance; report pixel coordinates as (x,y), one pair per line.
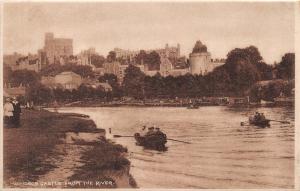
(153,86)
(39,94)
(109,78)
(7,72)
(270,90)
(83,71)
(253,55)
(153,61)
(51,70)
(24,77)
(217,83)
(241,65)
(141,57)
(286,68)
(133,83)
(54,69)
(111,57)
(112,80)
(97,60)
(199,47)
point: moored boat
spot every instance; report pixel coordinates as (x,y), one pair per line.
(193,107)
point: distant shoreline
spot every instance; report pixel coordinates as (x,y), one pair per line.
(185,105)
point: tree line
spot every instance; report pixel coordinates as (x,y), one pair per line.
(242,70)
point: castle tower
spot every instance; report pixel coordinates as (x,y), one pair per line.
(178,50)
(200,59)
(167,50)
(55,48)
(49,47)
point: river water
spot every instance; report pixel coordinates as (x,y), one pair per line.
(223,154)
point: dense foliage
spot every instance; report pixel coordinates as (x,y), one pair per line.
(20,77)
(97,60)
(271,89)
(286,68)
(112,80)
(41,94)
(133,82)
(199,47)
(111,57)
(54,69)
(152,60)
(243,68)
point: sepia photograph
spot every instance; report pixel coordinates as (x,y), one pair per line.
(148,95)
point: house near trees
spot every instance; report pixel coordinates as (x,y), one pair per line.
(65,80)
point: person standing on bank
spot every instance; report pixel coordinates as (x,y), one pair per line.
(8,111)
(16,112)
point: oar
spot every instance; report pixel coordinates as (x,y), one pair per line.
(117,136)
(244,123)
(287,122)
(179,141)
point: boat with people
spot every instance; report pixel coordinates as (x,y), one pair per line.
(193,106)
(259,119)
(153,138)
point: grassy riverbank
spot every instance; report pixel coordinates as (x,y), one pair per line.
(32,151)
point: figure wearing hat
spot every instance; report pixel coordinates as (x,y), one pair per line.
(8,111)
(16,112)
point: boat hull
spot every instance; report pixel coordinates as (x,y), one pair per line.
(260,123)
(155,141)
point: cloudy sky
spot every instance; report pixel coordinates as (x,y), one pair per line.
(221,26)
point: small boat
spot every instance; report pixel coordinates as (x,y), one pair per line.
(259,122)
(153,140)
(193,107)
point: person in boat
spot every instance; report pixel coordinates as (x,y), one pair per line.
(262,116)
(259,116)
(150,131)
(255,116)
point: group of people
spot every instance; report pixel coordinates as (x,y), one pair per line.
(151,130)
(259,116)
(12,112)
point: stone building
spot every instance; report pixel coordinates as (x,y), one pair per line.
(118,69)
(84,58)
(168,51)
(126,54)
(68,80)
(200,59)
(11,59)
(115,68)
(57,49)
(21,62)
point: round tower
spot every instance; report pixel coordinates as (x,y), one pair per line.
(200,59)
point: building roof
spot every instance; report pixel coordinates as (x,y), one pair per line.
(69,73)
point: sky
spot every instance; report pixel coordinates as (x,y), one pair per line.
(221,26)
